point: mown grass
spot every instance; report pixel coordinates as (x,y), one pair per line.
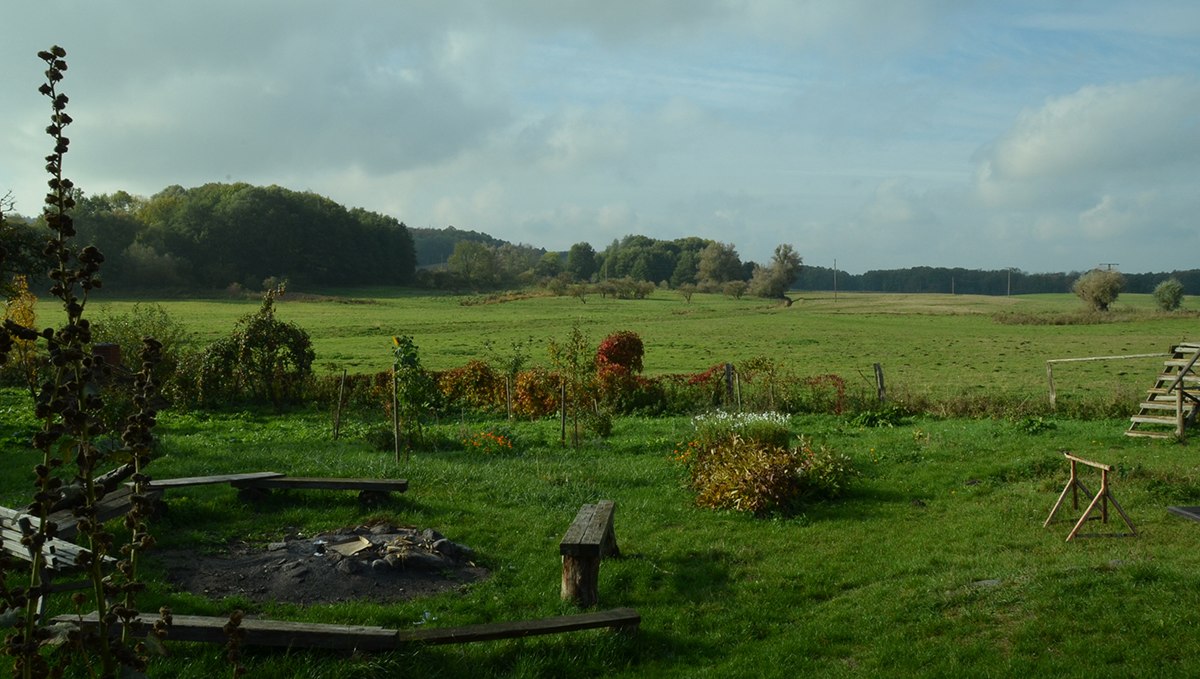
(936,564)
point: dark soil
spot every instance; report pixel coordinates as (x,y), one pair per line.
(392,564)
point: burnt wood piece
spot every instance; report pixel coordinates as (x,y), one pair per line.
(589,539)
(286,634)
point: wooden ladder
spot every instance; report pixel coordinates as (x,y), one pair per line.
(1171,404)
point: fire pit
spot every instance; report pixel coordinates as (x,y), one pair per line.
(377,563)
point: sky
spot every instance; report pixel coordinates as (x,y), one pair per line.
(877,134)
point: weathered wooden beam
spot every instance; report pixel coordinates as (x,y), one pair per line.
(318,483)
(287,634)
(624,619)
(163,484)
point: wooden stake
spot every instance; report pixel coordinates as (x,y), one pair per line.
(337,412)
(880,391)
(395,415)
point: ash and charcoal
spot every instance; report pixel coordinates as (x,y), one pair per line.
(381,563)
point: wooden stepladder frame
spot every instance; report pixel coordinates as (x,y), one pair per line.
(1101,498)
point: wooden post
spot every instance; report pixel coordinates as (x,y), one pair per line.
(562,400)
(880,391)
(737,385)
(728,384)
(1180,421)
(508,399)
(337,411)
(1050,379)
(395,415)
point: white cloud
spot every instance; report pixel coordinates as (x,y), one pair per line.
(1096,139)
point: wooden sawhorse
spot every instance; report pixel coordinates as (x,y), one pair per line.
(1102,498)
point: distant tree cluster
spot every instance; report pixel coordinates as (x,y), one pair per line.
(216,235)
(961,281)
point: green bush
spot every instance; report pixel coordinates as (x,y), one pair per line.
(1168,295)
(265,360)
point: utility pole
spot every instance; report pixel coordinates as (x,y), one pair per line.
(1110,265)
(835,279)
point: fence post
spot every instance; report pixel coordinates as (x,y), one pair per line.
(880,391)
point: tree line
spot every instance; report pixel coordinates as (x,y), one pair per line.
(239,235)
(924,279)
(222,235)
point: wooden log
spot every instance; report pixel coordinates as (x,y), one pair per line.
(581,580)
(286,634)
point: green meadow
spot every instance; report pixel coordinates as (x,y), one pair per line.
(935,564)
(936,345)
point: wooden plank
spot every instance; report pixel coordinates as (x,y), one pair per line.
(319,483)
(58,554)
(1153,419)
(260,632)
(1150,434)
(1097,465)
(1192,513)
(621,618)
(163,484)
(591,533)
(286,634)
(573,541)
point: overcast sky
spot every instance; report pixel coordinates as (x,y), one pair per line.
(1047,136)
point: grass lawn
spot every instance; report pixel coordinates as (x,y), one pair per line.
(936,564)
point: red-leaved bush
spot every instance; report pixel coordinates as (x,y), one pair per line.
(621,349)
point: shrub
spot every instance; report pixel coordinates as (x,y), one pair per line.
(264,360)
(623,349)
(536,393)
(815,394)
(752,476)
(1099,288)
(25,360)
(1168,295)
(475,385)
(487,443)
(889,415)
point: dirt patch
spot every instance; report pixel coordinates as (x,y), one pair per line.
(378,563)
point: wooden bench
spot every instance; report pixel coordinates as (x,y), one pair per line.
(59,557)
(589,539)
(278,633)
(370,491)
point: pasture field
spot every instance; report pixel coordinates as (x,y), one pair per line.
(935,564)
(943,346)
